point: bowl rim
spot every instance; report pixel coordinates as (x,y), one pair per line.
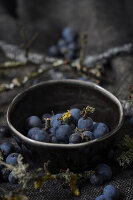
(65,81)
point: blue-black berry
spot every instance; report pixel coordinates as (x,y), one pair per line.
(7,148)
(41,136)
(75,138)
(111,193)
(131,121)
(96,179)
(33,121)
(53,51)
(12,179)
(89,135)
(104,170)
(32,132)
(101,197)
(75,115)
(85,123)
(72,46)
(69,34)
(12,159)
(52,131)
(61,43)
(100,129)
(55,122)
(5,173)
(63,133)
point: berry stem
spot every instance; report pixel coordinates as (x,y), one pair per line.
(47,124)
(85,112)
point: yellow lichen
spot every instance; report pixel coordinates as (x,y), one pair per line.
(48,174)
(38,184)
(76,192)
(73,185)
(66,116)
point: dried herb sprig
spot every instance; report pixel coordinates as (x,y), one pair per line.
(20,171)
(126,158)
(83,136)
(86,111)
(24,176)
(84,40)
(19,82)
(67,177)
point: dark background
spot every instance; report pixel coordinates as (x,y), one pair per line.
(107,23)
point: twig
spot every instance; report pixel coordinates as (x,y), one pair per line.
(84,40)
(27,46)
(113,52)
(16,82)
(12,64)
(18,55)
(15,53)
(41,175)
(34,37)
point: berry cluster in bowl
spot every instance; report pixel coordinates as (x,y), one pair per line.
(72,127)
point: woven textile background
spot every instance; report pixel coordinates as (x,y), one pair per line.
(108,23)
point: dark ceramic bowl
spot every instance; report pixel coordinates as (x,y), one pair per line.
(59,96)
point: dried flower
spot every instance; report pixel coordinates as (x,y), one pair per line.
(85,112)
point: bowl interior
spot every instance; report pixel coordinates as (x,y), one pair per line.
(59,96)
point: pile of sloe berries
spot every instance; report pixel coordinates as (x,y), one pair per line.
(75,129)
(67,47)
(10,153)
